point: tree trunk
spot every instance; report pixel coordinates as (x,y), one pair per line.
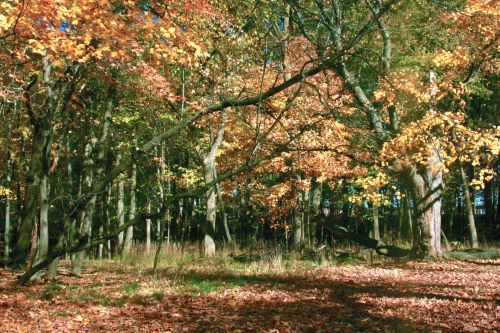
(375,233)
(469,211)
(489,201)
(87,214)
(298,217)
(148,230)
(161,174)
(42,133)
(131,215)
(426,192)
(224,213)
(66,234)
(100,249)
(211,210)
(210,194)
(120,206)
(89,178)
(106,220)
(59,249)
(33,180)
(52,269)
(43,237)
(148,235)
(307,216)
(378,246)
(159,245)
(316,198)
(407,225)
(498,204)
(6,237)
(451,211)
(297,227)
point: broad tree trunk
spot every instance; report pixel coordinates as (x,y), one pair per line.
(211,193)
(31,198)
(42,135)
(43,237)
(426,193)
(211,210)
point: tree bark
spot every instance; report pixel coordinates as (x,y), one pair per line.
(407,227)
(86,215)
(211,193)
(160,242)
(131,215)
(106,220)
(426,193)
(223,212)
(489,202)
(89,176)
(6,237)
(148,230)
(120,206)
(43,236)
(378,246)
(66,234)
(33,180)
(468,207)
(211,210)
(375,226)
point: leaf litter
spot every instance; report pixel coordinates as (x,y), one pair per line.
(435,297)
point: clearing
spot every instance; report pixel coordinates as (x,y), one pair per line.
(222,295)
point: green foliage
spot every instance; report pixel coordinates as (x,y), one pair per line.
(196,284)
(51,290)
(131,288)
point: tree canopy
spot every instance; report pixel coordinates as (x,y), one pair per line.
(221,121)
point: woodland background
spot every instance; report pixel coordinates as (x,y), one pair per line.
(308,128)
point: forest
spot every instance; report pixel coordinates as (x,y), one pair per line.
(249,166)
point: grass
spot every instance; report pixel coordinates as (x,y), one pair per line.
(131,288)
(194,283)
(259,258)
(302,281)
(184,270)
(50,291)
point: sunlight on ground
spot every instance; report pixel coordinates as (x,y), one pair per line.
(222,295)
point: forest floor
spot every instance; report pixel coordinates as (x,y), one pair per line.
(224,295)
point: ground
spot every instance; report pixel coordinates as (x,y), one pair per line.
(212,296)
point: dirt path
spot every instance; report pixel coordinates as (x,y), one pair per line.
(452,296)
